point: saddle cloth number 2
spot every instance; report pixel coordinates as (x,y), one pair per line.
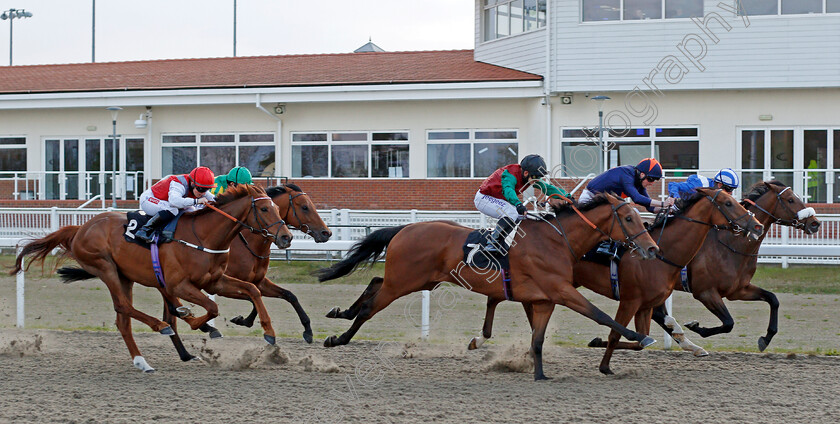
(129,229)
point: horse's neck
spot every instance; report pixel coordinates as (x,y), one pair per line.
(682,239)
(581,236)
(218,231)
(745,244)
(284,203)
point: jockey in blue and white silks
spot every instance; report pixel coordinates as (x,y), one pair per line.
(725,179)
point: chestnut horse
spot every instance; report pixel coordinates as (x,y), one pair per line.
(644,285)
(726,263)
(252,251)
(101,250)
(421,256)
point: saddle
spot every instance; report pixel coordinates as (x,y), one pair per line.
(137,219)
(476,256)
(608,253)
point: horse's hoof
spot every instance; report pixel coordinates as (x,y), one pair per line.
(647,341)
(142,365)
(149,371)
(168,331)
(596,342)
(189,358)
(183,311)
(606,371)
(215,334)
(330,341)
(240,320)
(270,339)
(541,377)
(333,313)
(692,325)
(472,345)
(762,344)
(701,353)
(307,335)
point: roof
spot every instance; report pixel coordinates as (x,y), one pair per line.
(260,71)
(369,47)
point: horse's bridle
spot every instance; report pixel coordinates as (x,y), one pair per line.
(262,229)
(795,223)
(733,224)
(629,240)
(308,230)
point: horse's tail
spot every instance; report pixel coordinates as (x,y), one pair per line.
(367,251)
(70,274)
(40,248)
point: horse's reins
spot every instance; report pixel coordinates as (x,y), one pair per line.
(294,212)
(263,231)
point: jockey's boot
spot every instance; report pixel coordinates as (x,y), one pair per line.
(496,243)
(158,220)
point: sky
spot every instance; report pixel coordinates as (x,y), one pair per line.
(126,30)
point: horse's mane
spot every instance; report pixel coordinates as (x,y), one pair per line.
(232,194)
(759,189)
(683,205)
(276,191)
(567,209)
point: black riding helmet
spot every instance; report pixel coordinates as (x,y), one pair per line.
(534,164)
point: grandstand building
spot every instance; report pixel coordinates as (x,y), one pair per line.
(701,85)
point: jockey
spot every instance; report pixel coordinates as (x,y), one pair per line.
(629,181)
(497,196)
(725,179)
(237,175)
(173,193)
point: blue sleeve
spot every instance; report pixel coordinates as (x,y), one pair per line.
(686,189)
(640,198)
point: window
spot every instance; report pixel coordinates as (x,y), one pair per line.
(12,153)
(469,153)
(350,154)
(790,7)
(219,152)
(510,17)
(677,148)
(636,10)
(802,158)
(832,6)
(760,7)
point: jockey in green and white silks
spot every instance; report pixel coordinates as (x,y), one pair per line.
(498,195)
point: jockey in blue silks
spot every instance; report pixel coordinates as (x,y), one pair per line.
(726,179)
(629,181)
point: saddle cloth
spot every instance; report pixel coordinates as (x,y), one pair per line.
(608,253)
(137,219)
(475,254)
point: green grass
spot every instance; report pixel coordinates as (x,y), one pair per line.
(803,279)
(297,272)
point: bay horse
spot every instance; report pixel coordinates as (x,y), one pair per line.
(644,285)
(252,251)
(422,255)
(726,263)
(100,249)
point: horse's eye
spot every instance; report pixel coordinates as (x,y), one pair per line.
(790,200)
(306,208)
(629,219)
(728,203)
(264,209)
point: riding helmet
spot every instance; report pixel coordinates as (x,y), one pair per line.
(240,175)
(650,167)
(202,177)
(534,164)
(727,177)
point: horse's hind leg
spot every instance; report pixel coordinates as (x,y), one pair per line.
(625,312)
(170,316)
(372,288)
(487,330)
(751,292)
(714,303)
(187,291)
(670,325)
(368,308)
(269,289)
(541,315)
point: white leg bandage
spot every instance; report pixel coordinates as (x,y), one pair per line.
(142,365)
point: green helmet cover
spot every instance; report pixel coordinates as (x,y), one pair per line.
(240,175)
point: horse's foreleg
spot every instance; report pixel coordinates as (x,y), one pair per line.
(487,330)
(542,314)
(269,289)
(170,317)
(185,290)
(571,298)
(625,312)
(124,325)
(235,288)
(750,293)
(713,302)
(372,288)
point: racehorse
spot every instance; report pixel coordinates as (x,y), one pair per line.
(726,263)
(252,251)
(422,255)
(644,285)
(101,250)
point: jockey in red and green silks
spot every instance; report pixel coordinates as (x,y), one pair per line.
(498,196)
